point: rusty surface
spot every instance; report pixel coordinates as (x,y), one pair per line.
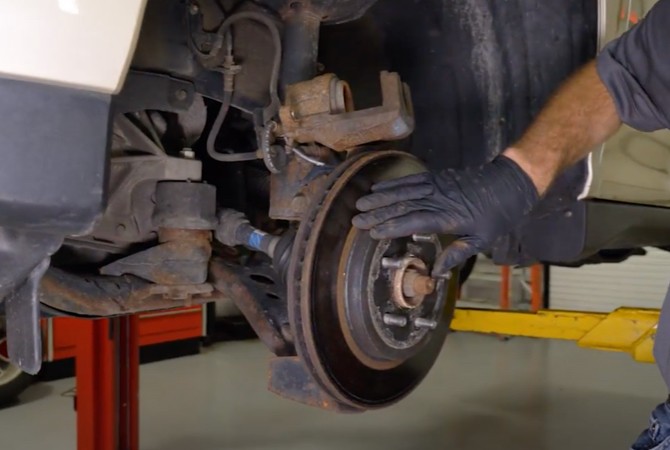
(308,115)
(184,235)
(181,258)
(401,283)
(288,378)
(313,297)
(291,190)
(300,275)
(325,94)
(127,217)
(266,314)
(415,284)
(345,326)
(100,296)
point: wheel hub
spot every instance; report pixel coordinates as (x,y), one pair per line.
(381,311)
(410,280)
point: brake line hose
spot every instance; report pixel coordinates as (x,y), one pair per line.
(229,71)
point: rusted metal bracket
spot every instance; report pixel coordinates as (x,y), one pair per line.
(288,378)
(182,258)
(288,375)
(291,190)
(184,214)
(254,291)
(102,296)
(321,110)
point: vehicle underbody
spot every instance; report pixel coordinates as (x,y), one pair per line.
(243,136)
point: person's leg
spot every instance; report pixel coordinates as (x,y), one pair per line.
(657,436)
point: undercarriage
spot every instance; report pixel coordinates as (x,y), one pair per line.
(240,142)
(234,176)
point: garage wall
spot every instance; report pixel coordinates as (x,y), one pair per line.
(641,281)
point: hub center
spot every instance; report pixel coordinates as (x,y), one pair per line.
(389,301)
(410,280)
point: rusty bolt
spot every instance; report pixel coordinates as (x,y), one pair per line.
(299,203)
(181,94)
(424,285)
(409,281)
(416,284)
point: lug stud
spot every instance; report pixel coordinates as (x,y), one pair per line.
(423,238)
(393,320)
(392,263)
(420,322)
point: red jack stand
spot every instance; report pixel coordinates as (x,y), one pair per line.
(107,370)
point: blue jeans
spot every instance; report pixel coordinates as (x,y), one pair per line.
(657,436)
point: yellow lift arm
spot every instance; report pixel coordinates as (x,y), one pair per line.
(624,330)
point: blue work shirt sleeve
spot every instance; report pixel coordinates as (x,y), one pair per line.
(636,70)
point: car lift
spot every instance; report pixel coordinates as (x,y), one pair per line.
(107,371)
(628,330)
(107,361)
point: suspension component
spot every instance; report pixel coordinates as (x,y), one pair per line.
(234,229)
(184,214)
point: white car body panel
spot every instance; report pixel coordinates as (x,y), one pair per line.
(86,44)
(632,166)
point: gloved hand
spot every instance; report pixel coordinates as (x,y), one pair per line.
(477,205)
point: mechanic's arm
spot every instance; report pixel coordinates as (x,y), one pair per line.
(578,117)
(629,82)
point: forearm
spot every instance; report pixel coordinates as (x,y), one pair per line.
(579,116)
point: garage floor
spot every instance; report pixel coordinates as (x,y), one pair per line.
(483,393)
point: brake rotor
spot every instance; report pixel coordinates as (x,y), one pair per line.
(367,321)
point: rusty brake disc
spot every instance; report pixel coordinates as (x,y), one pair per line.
(362,347)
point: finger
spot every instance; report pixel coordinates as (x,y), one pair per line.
(378,216)
(417,178)
(454,255)
(391,196)
(418,222)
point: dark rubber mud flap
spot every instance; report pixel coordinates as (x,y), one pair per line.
(24,337)
(289,378)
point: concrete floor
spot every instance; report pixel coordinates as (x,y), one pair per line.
(483,393)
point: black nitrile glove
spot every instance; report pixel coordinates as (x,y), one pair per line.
(477,205)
